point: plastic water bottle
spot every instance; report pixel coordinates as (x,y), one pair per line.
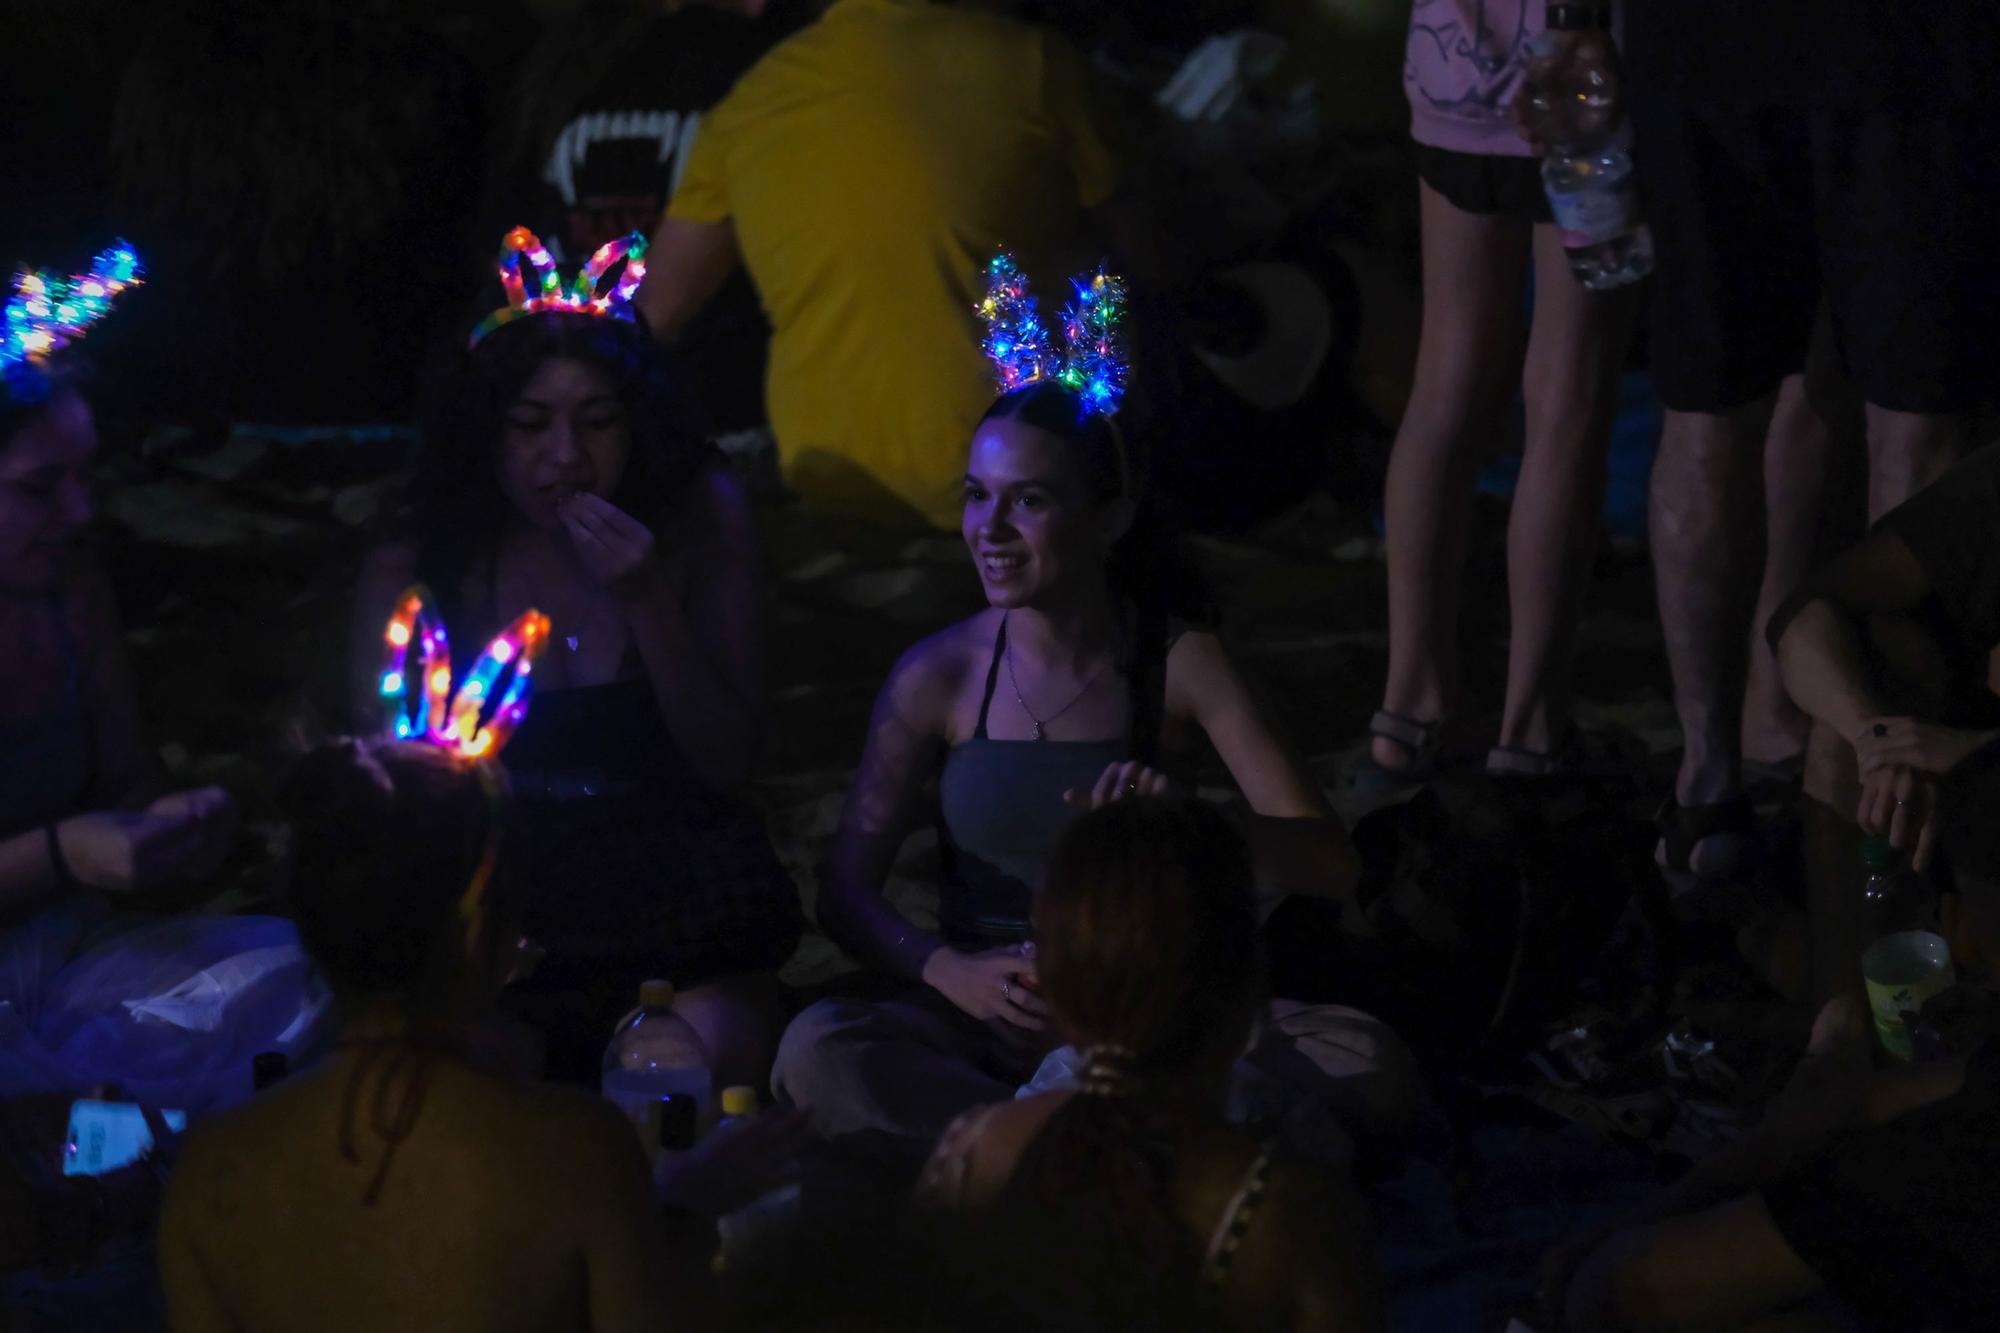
(1905,959)
(1587,171)
(656,1072)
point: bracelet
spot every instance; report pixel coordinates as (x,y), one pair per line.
(58,863)
(1568,16)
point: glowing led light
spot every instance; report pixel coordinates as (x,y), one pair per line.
(392,682)
(458,727)
(47,312)
(581,297)
(1093,364)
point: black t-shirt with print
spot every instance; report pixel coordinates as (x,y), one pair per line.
(1903,1220)
(612,166)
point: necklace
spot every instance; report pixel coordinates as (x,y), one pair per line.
(1041,722)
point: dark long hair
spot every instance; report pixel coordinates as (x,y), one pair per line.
(1148,567)
(30,392)
(454,508)
(386,839)
(1146,936)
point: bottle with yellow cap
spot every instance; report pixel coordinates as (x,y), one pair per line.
(656,1072)
(738,1103)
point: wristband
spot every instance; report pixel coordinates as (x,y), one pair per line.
(58,863)
(1574,17)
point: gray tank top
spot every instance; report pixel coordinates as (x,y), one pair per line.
(1001,806)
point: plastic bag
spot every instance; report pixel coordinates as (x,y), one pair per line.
(1317,1074)
(169,1010)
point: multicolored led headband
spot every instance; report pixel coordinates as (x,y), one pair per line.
(581,297)
(47,312)
(1093,363)
(490,703)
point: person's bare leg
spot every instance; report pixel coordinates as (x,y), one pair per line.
(1800,476)
(1830,846)
(1466,365)
(739,1019)
(1575,351)
(1707,535)
(1907,451)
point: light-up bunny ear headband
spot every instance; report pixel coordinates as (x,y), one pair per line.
(47,312)
(1093,362)
(581,297)
(472,725)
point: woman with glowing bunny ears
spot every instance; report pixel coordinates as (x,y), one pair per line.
(562,470)
(85,820)
(1080,686)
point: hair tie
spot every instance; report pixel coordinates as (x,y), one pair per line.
(1109,1070)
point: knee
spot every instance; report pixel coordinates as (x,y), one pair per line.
(804,1049)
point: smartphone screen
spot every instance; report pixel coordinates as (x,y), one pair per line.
(104,1136)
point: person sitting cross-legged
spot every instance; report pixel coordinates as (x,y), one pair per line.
(1863,1193)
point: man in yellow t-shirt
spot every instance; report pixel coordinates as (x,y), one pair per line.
(864,171)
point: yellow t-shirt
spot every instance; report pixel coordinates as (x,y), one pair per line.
(872,164)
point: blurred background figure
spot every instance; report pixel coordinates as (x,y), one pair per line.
(862,173)
(605,114)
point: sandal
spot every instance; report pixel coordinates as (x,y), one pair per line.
(1705,842)
(1420,740)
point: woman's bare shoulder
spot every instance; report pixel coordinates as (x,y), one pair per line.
(935,668)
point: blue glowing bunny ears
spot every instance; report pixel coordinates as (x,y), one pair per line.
(581,297)
(476,722)
(1093,363)
(47,312)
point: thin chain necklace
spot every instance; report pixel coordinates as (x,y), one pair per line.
(1041,722)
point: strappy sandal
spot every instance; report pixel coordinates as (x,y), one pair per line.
(1420,740)
(1705,842)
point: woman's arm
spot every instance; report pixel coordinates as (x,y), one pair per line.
(1204,683)
(126,772)
(700,629)
(27,871)
(906,741)
(904,750)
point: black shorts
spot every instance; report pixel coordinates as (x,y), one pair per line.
(1758,212)
(1488,184)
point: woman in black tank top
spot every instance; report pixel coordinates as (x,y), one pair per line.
(1078,687)
(566,471)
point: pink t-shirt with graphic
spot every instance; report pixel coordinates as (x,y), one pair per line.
(1463,65)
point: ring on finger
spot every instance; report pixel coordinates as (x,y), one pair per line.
(1006,990)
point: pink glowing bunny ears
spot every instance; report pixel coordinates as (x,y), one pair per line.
(581,297)
(47,312)
(1093,362)
(475,723)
